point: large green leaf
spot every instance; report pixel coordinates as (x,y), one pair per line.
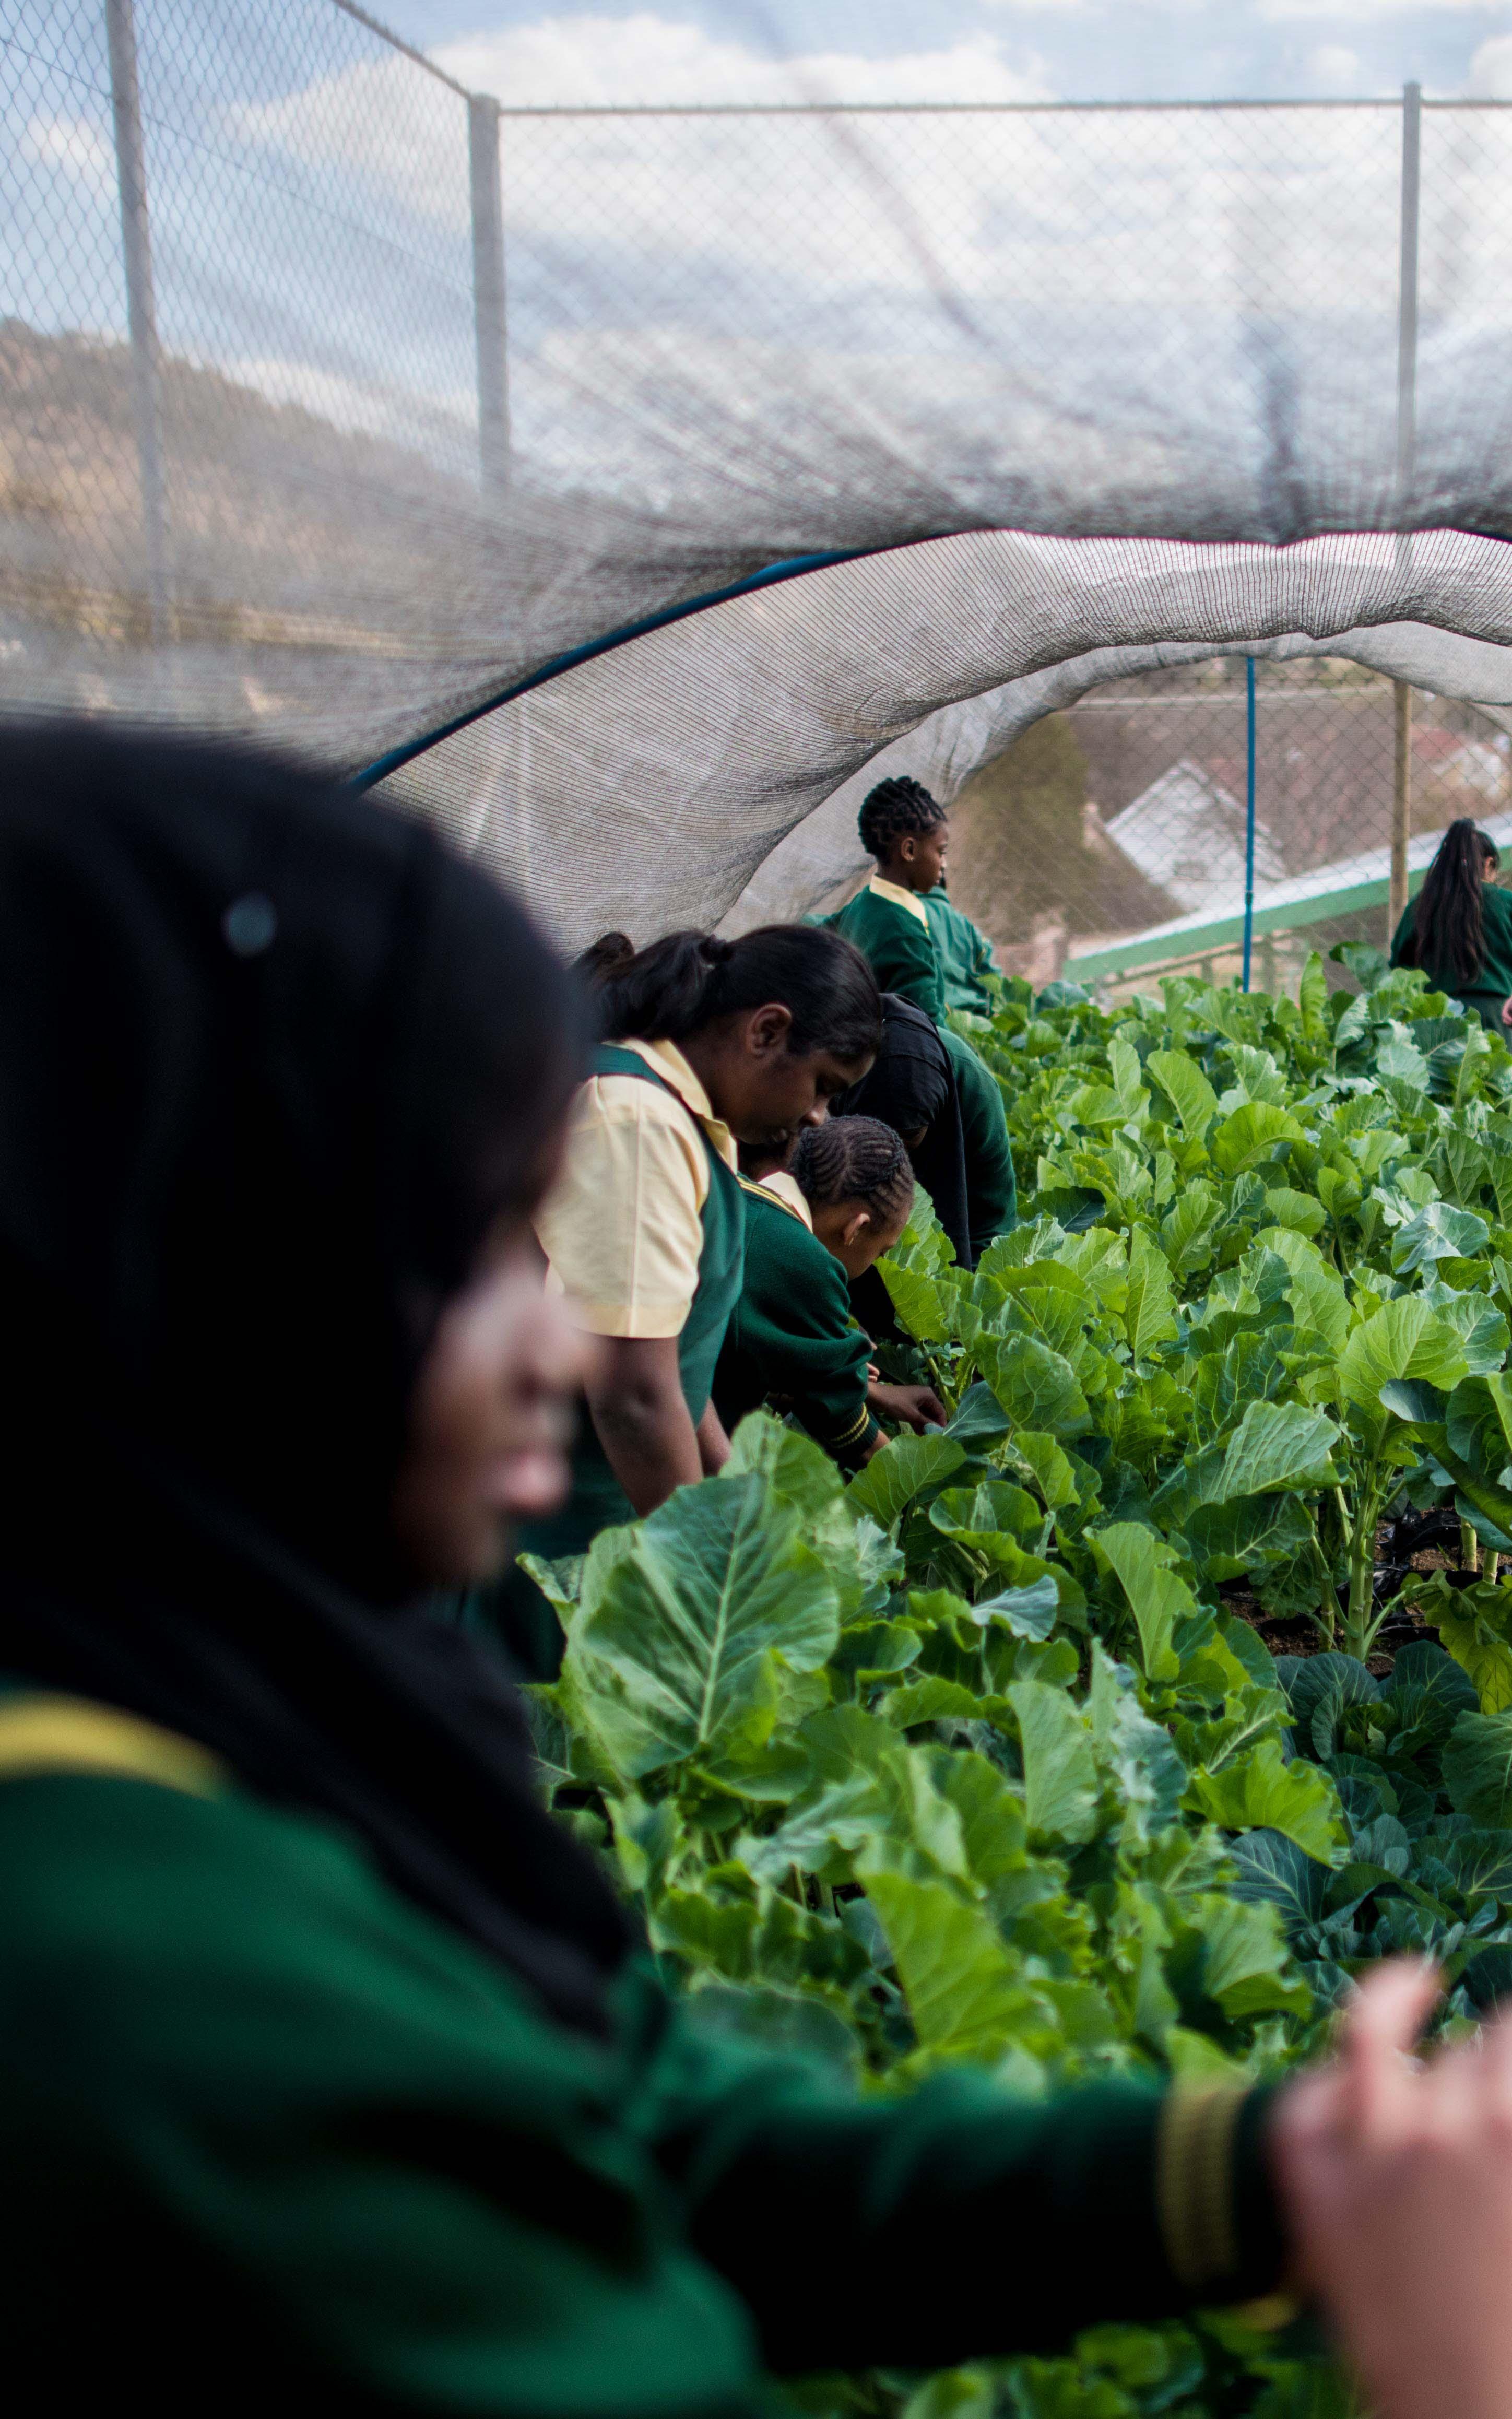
(1059,1767)
(1438,1232)
(965,1993)
(1405,1338)
(1187,1230)
(797,1471)
(1277,1445)
(901,1471)
(1036,1386)
(1254,1535)
(918,1299)
(1137,1753)
(1187,1087)
(1477,1769)
(1479,1325)
(675,1655)
(1261,1791)
(1146,1317)
(1142,1564)
(1253,1135)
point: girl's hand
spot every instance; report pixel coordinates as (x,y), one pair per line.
(1396,2178)
(1506,1011)
(912,1407)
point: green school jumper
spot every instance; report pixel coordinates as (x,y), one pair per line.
(899,945)
(965,953)
(992,1187)
(1485,996)
(274,2138)
(793,1335)
(900,941)
(514,1610)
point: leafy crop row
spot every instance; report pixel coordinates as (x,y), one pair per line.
(980,1756)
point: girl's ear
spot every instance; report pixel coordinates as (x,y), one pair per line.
(855,1228)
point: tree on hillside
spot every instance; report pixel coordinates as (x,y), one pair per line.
(1029,846)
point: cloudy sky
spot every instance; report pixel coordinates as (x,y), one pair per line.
(1075,50)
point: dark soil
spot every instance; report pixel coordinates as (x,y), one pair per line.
(1416,1542)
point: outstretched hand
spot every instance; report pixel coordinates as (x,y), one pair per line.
(912,1406)
(1396,2175)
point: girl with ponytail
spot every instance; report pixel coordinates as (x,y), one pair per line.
(706,1045)
(793,1341)
(1459,929)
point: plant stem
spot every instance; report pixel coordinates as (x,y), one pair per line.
(1359,1628)
(1492,1564)
(1469,1548)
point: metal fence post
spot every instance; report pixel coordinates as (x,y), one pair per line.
(489,293)
(141,310)
(1401,791)
(1401,803)
(1249,813)
(1406,293)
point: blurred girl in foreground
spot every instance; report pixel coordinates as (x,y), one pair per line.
(327,2069)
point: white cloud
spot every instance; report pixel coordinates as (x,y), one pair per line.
(1366,11)
(73,145)
(1491,69)
(1334,68)
(591,61)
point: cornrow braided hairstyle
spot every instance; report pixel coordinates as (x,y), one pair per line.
(895,807)
(854,1158)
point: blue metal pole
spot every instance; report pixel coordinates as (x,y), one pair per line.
(1249,812)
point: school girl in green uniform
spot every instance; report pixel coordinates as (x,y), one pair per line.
(967,966)
(710,1044)
(908,834)
(1459,929)
(330,2078)
(793,1342)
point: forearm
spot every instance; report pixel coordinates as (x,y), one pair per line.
(713,1443)
(642,1420)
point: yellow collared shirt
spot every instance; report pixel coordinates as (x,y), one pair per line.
(622,1229)
(899,897)
(787,1190)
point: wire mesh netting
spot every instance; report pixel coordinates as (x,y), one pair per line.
(340,405)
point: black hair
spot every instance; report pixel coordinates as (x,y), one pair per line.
(683,982)
(854,1158)
(895,807)
(1448,933)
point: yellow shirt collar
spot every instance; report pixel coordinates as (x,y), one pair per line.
(899,897)
(674,1067)
(786,1189)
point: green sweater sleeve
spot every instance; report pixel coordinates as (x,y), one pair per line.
(793,1335)
(900,946)
(959,2224)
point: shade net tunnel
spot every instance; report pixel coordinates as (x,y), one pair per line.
(626,459)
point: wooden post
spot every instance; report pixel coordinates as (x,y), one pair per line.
(1401,804)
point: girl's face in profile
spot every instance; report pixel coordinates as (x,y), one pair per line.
(492,1415)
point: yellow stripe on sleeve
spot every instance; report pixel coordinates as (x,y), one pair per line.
(39,1734)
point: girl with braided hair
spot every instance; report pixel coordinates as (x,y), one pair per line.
(707,1043)
(791,1342)
(908,834)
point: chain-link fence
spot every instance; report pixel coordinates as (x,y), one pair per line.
(1110,842)
(343,404)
